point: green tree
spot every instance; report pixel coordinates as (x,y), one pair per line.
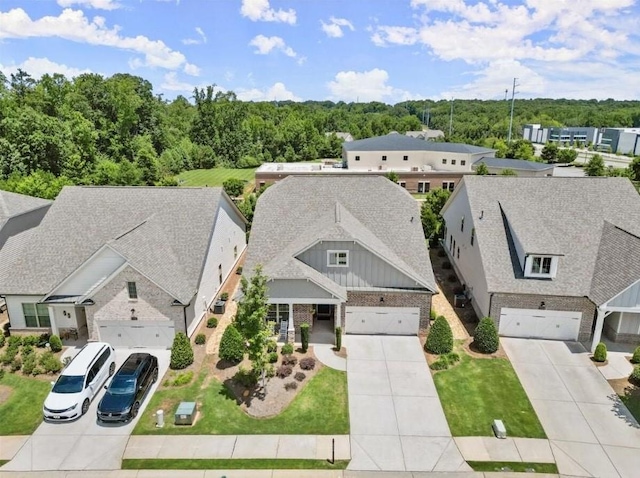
(231,345)
(549,152)
(485,337)
(430,212)
(392,176)
(440,338)
(595,166)
(233,187)
(567,156)
(181,352)
(482,170)
(508,172)
(634,169)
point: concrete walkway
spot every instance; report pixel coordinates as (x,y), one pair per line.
(617,366)
(263,474)
(324,353)
(522,450)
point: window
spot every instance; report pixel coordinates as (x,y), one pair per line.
(453,162)
(403,184)
(444,161)
(463,162)
(405,158)
(357,158)
(133,291)
(338,258)
(235,252)
(448,185)
(423,186)
(36,315)
(541,265)
(462,224)
(220,273)
(278,312)
(473,235)
(450,243)
(384,157)
(458,253)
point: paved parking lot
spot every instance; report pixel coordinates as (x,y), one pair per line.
(397,421)
(83,444)
(591,432)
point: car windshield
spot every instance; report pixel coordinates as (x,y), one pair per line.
(69,384)
(122,385)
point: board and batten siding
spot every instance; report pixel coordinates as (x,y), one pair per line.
(14,308)
(629,298)
(91,273)
(295,289)
(228,232)
(365,269)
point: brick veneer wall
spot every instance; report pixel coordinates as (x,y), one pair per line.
(302,313)
(112,303)
(527,301)
(611,333)
(391,299)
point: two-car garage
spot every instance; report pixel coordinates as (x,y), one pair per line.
(382,320)
(540,323)
(140,333)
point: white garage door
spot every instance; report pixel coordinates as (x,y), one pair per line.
(541,324)
(382,320)
(137,333)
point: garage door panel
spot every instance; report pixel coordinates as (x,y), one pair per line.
(544,324)
(137,334)
(382,320)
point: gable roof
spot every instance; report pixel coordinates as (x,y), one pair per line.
(295,213)
(401,142)
(162,232)
(572,212)
(13,204)
(515,164)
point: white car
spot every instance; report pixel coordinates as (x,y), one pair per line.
(80,382)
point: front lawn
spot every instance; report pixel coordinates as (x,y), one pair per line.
(479,390)
(214,177)
(321,408)
(232,464)
(22,412)
(515,467)
(631,398)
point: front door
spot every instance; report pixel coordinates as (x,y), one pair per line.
(325,311)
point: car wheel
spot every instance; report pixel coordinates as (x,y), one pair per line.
(112,368)
(85,406)
(134,410)
(155,376)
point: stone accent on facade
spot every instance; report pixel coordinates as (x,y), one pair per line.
(303,314)
(112,303)
(391,299)
(527,301)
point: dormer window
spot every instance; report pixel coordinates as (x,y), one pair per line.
(541,266)
(338,258)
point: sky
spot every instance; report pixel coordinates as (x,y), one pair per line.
(339,50)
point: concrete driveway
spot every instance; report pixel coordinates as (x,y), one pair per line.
(83,444)
(590,430)
(397,421)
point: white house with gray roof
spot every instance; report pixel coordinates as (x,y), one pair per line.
(342,251)
(126,265)
(521,167)
(555,258)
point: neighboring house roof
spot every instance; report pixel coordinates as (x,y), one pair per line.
(571,213)
(426,134)
(13,204)
(401,142)
(164,233)
(297,212)
(515,164)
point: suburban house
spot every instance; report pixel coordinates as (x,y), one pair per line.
(127,265)
(555,258)
(420,165)
(340,135)
(427,134)
(342,252)
(18,213)
(522,168)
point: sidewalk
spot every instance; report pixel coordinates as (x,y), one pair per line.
(324,353)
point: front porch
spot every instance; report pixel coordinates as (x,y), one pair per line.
(322,318)
(618,319)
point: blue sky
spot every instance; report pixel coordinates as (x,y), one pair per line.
(366,50)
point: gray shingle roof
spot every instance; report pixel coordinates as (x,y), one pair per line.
(400,142)
(572,212)
(13,204)
(162,232)
(296,212)
(515,164)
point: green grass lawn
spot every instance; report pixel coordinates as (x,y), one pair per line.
(515,467)
(232,464)
(477,391)
(321,408)
(214,177)
(632,401)
(22,412)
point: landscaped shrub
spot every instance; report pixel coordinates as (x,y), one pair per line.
(299,376)
(37,371)
(636,355)
(224,296)
(8,355)
(27,349)
(1,373)
(485,338)
(14,341)
(432,314)
(338,338)
(304,335)
(182,378)
(50,363)
(272,346)
(16,364)
(284,371)
(290,386)
(452,357)
(272,357)
(446,265)
(31,340)
(308,363)
(600,353)
(55,343)
(212,322)
(29,363)
(287,349)
(200,339)
(181,352)
(440,364)
(635,375)
(440,338)
(246,378)
(270,371)
(289,360)
(231,345)
(2,340)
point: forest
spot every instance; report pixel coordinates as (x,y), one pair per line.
(56,131)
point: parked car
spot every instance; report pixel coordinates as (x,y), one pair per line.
(79,382)
(128,388)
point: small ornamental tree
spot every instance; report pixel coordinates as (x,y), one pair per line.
(636,355)
(304,336)
(181,352)
(486,336)
(55,343)
(595,166)
(440,338)
(338,338)
(600,353)
(233,187)
(231,345)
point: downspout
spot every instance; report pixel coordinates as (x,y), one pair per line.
(490,301)
(184,315)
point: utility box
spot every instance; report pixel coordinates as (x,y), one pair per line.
(499,429)
(219,306)
(185,413)
(459,300)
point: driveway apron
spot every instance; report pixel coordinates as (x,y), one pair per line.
(591,432)
(83,444)
(397,421)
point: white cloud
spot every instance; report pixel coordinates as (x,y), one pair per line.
(366,86)
(265,45)
(334,28)
(191,69)
(37,67)
(97,4)
(170,82)
(277,92)
(72,25)
(196,41)
(384,35)
(260,10)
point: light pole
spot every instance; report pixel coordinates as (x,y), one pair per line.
(513,98)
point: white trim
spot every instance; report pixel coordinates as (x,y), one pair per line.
(604,304)
(283,300)
(528,266)
(337,253)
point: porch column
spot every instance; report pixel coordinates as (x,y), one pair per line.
(291,330)
(597,332)
(52,319)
